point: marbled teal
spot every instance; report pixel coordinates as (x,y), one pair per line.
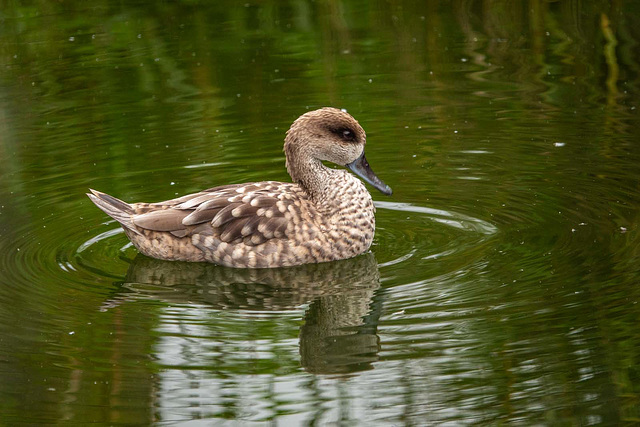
(324,215)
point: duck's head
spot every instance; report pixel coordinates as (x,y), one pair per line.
(333,135)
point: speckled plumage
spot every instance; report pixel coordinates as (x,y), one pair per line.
(324,215)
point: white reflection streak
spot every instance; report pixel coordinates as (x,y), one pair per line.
(452,219)
(98,238)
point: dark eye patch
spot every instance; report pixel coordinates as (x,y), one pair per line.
(345,133)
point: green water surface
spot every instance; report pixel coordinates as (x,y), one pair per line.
(503,284)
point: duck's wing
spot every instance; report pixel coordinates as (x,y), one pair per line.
(253,213)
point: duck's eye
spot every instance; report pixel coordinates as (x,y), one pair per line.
(346,134)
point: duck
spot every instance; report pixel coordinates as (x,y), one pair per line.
(325,214)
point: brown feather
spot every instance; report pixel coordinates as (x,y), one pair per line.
(281,225)
(273,225)
(251,226)
(164,220)
(174,202)
(197,201)
(215,203)
(222,188)
(200,216)
(224,215)
(203,229)
(254,239)
(115,208)
(233,230)
(180,233)
(244,210)
(263,201)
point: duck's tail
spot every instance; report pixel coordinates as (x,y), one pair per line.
(115,208)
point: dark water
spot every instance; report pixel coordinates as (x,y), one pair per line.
(503,285)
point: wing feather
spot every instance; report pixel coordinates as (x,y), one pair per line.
(251,213)
(162,220)
(199,216)
(233,230)
(224,215)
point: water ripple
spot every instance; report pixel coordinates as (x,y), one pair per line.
(452,219)
(426,236)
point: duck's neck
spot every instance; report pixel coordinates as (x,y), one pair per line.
(325,186)
(311,174)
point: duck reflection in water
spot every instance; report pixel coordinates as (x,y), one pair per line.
(339,334)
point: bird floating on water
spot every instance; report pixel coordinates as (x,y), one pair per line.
(323,215)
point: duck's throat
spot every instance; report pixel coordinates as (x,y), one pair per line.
(314,177)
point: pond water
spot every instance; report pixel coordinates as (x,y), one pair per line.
(503,284)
